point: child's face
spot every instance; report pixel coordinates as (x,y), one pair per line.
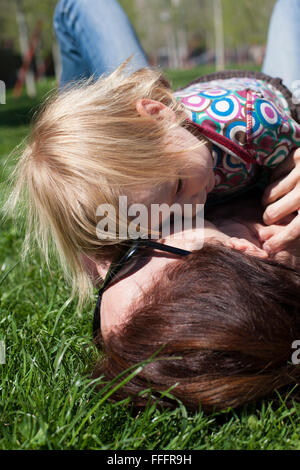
(189,190)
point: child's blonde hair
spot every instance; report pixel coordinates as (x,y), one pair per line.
(87,143)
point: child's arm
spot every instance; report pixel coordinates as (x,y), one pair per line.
(282,199)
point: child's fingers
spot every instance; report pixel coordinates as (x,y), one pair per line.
(279,188)
(246,246)
(238,243)
(280,209)
(265,233)
(283,238)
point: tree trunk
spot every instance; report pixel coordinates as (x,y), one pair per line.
(24,46)
(219,35)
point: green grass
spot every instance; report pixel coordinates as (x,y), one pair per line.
(47,400)
(180,78)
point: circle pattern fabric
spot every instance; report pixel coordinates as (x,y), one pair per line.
(236,131)
(225,109)
(196,102)
(241,113)
(213,94)
(267,114)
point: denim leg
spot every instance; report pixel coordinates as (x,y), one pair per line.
(95,36)
(283,48)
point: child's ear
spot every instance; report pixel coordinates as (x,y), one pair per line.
(248,247)
(151,108)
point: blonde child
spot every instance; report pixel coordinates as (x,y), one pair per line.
(129,134)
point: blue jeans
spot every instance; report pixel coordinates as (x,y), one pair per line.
(95,36)
(283,48)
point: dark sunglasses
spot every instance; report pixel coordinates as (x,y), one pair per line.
(124,264)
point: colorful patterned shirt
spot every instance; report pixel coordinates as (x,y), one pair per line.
(249,122)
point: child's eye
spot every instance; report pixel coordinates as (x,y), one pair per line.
(179,186)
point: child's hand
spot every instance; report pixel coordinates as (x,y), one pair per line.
(246,246)
(266,233)
(283,200)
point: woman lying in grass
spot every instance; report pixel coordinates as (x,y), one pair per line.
(226,317)
(97,142)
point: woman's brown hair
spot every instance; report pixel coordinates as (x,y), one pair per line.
(230,317)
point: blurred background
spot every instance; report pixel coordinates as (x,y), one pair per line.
(176,34)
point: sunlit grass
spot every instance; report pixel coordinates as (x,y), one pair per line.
(47,399)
